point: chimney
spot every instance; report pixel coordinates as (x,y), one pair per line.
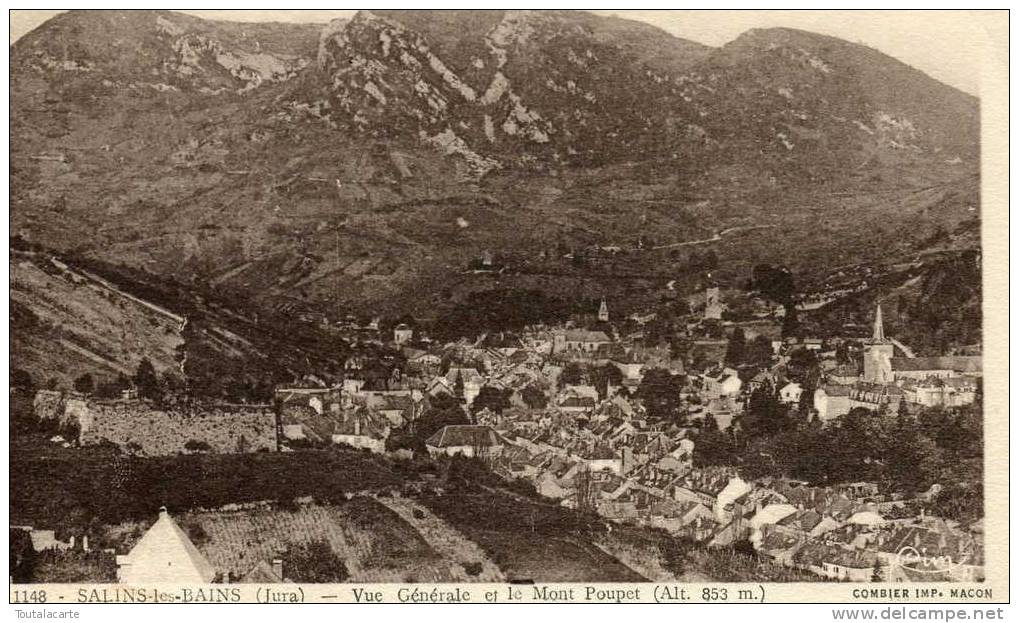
(277,567)
(627,459)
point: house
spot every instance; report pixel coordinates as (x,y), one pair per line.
(930,553)
(768,516)
(577,399)
(164,555)
(759,380)
(831,401)
(777,545)
(402,334)
(921,368)
(601,458)
(720,382)
(468,440)
(265,572)
(578,341)
(420,360)
(845,374)
(807,523)
(470,378)
(549,486)
(629,367)
(836,562)
(43,540)
(713,306)
(575,405)
(362,428)
(790,393)
(941,392)
(874,396)
(399,407)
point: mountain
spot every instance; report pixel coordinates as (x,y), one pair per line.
(362,165)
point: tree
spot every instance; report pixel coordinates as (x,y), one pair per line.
(842,355)
(586,492)
(736,350)
(572,374)
(442,411)
(790,323)
(22,556)
(803,365)
(765,414)
(84,384)
(315,562)
(533,397)
(494,399)
(775,283)
(660,391)
(806,405)
(146,382)
(458,386)
(711,445)
(759,351)
(603,376)
(21,379)
(112,389)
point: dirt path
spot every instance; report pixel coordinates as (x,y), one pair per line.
(715,238)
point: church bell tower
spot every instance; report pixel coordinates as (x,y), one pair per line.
(878,353)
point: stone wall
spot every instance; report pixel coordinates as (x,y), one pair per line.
(140,427)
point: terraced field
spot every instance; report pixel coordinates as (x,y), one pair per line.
(396,539)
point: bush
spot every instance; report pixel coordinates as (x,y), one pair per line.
(472,569)
(194,445)
(315,562)
(197,534)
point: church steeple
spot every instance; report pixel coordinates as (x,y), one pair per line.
(603,312)
(879,326)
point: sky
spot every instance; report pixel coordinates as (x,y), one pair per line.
(947,45)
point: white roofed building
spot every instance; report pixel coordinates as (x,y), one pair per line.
(165,555)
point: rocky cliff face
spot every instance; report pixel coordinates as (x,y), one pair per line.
(161,51)
(498,90)
(567,88)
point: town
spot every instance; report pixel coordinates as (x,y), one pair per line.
(812,454)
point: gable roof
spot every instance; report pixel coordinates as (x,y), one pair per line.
(165,536)
(835,390)
(262,573)
(455,435)
(583,335)
(958,363)
(468,375)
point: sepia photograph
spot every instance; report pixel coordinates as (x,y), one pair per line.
(580,306)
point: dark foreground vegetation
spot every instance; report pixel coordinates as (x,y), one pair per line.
(77,489)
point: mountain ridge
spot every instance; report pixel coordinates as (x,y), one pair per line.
(358,177)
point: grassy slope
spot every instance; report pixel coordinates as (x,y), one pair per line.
(64,326)
(68,323)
